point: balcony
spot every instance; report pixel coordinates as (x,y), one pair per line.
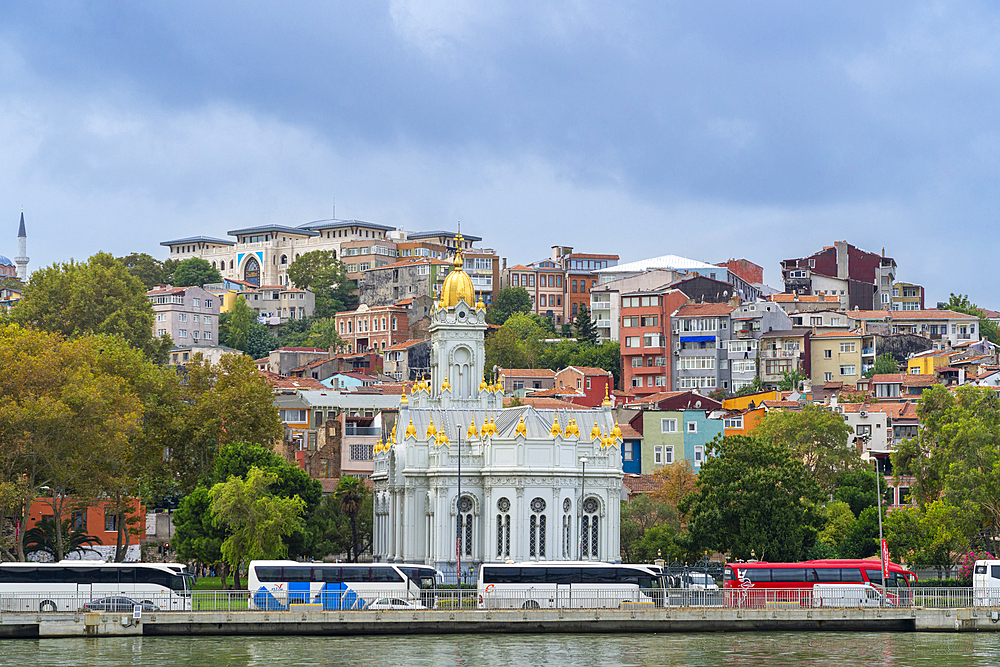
(779,354)
(964,336)
(868,352)
(362,430)
(744,334)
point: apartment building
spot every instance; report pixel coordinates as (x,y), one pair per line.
(372,328)
(907,296)
(543,281)
(840,356)
(189,315)
(783,351)
(700,334)
(750,322)
(644,333)
(944,328)
(405,279)
(682,268)
(277,304)
(605,299)
(855,277)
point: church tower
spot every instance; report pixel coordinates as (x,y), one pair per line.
(22,251)
(457,331)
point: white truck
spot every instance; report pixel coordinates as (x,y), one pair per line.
(846,595)
(986,583)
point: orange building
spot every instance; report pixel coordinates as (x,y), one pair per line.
(92,519)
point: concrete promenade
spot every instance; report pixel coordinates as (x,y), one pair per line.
(519,621)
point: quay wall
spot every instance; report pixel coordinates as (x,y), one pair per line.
(475,621)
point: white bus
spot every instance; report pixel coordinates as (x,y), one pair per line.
(986,583)
(72,585)
(274,584)
(568,584)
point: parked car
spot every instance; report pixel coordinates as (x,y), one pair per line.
(395,603)
(118,604)
(699,581)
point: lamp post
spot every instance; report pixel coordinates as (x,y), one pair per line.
(583,492)
(881,551)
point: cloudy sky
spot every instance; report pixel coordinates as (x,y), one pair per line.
(711,130)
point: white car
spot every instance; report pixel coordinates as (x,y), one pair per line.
(395,603)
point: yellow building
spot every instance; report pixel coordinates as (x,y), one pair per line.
(927,363)
(743,402)
(840,356)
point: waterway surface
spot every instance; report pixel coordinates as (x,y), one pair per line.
(770,649)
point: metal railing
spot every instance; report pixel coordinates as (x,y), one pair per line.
(542,596)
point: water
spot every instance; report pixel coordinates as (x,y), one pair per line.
(770,649)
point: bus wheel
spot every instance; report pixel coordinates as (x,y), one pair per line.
(530,604)
(47,605)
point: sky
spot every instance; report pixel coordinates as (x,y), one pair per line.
(710,130)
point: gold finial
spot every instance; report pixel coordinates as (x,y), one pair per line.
(393,437)
(572,429)
(410,431)
(442,438)
(482,385)
(479,304)
(595,432)
(430,428)
(445,386)
(555,430)
(607,395)
(404,399)
(617,432)
(521,429)
(472,434)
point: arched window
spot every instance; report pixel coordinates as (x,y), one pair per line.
(383,324)
(463,526)
(230,264)
(284,259)
(251,271)
(589,531)
(536,529)
(503,528)
(567,530)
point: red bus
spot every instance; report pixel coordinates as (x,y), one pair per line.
(758,583)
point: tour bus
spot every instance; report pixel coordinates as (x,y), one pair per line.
(275,584)
(568,584)
(986,583)
(755,584)
(69,585)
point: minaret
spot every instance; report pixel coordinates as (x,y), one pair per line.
(22,251)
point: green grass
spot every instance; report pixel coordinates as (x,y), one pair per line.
(208,584)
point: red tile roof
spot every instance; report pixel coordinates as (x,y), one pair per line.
(404,345)
(895,410)
(920,381)
(929,314)
(703,310)
(629,432)
(589,370)
(637,484)
(780,404)
(295,383)
(889,378)
(528,373)
(837,334)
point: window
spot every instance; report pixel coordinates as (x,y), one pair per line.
(827,377)
(182,317)
(183,333)
(696,363)
(503,528)
(828,354)
(848,370)
(846,348)
(637,382)
(815,321)
(632,341)
(630,321)
(463,525)
(650,321)
(196,303)
(668,426)
(699,454)
(864,429)
(627,450)
(733,422)
(668,454)
(636,362)
(110,523)
(658,455)
(653,340)
(692,427)
(749,366)
(661,381)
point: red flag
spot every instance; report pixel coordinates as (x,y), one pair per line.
(885,562)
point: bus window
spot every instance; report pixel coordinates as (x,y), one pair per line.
(532,575)
(598,575)
(727,574)
(269,573)
(756,574)
(385,575)
(126,575)
(995,573)
(330,575)
(563,575)
(827,574)
(789,574)
(875,576)
(851,574)
(355,573)
(501,575)
(297,574)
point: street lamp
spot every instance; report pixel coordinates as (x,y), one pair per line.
(583,492)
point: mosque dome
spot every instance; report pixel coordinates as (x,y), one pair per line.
(458,285)
(5,262)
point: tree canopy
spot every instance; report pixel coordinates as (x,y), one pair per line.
(321,272)
(98,296)
(753,496)
(195,271)
(885,364)
(586,331)
(987,328)
(509,301)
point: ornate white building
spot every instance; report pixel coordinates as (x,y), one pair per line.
(523,493)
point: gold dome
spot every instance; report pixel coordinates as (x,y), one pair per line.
(555,430)
(430,429)
(458,285)
(521,429)
(410,431)
(473,433)
(482,385)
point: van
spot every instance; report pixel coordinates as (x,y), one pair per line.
(846,595)
(986,583)
(698,581)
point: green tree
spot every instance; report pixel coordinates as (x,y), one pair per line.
(817,437)
(260,341)
(240,320)
(144,267)
(956,455)
(937,537)
(235,459)
(98,296)
(42,538)
(839,519)
(351,493)
(323,334)
(861,540)
(327,530)
(885,364)
(195,271)
(509,301)
(857,488)
(791,381)
(987,328)
(529,336)
(256,520)
(321,272)
(586,332)
(753,495)
(638,516)
(751,388)
(196,536)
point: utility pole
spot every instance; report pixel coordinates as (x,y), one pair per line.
(583,493)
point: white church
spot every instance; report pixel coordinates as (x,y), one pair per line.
(535,485)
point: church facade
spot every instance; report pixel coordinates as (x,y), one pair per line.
(462,481)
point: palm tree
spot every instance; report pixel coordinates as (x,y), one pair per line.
(351,493)
(43,538)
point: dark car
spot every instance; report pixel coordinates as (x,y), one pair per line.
(117,604)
